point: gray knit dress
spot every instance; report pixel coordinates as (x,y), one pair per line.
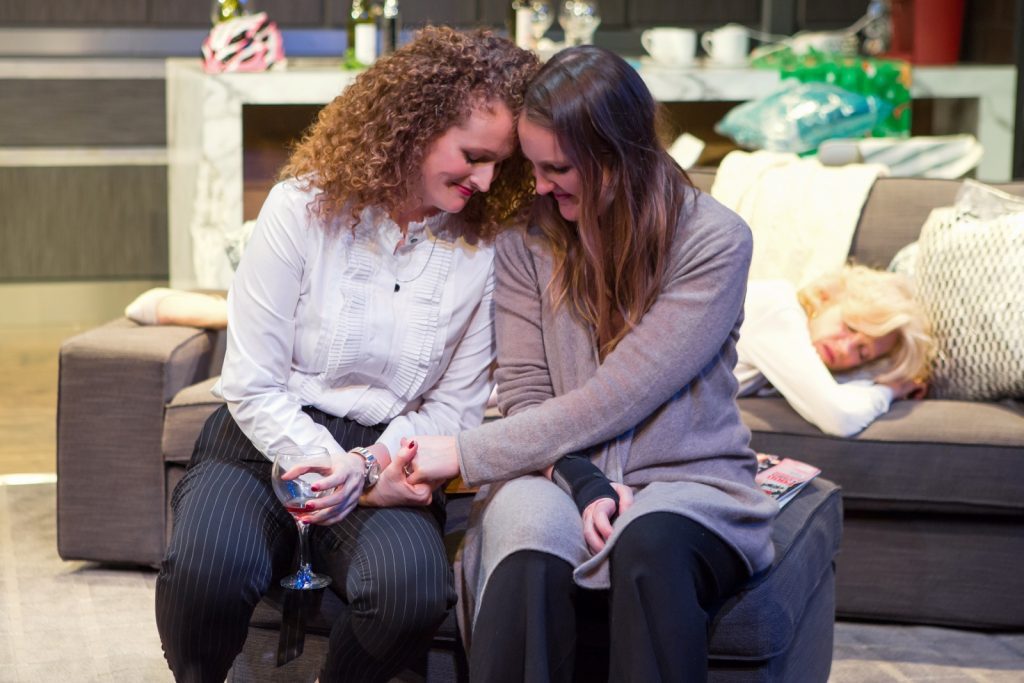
(658,414)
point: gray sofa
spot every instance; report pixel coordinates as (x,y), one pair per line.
(932,493)
(933,502)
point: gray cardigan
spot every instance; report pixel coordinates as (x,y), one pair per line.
(658,414)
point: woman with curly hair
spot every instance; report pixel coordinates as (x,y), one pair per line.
(360,314)
(855,319)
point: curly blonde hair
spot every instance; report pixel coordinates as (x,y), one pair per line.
(367,146)
(877,303)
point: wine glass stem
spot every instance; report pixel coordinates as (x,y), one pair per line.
(304,565)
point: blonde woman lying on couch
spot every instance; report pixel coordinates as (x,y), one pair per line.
(854,319)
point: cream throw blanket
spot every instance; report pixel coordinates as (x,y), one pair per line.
(803,215)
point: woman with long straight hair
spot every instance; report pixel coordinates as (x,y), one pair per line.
(621,463)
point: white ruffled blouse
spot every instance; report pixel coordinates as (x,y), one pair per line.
(357,326)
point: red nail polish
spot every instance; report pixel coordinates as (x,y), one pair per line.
(412,444)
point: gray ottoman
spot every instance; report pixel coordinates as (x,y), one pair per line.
(778,628)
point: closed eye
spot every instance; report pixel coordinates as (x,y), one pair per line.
(480,156)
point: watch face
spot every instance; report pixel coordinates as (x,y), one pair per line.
(372,474)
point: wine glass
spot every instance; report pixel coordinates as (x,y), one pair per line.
(579,19)
(296,468)
(541,18)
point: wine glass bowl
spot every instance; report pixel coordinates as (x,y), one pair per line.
(579,19)
(295,493)
(541,19)
(296,469)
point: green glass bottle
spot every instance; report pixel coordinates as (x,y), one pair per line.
(222,10)
(390,27)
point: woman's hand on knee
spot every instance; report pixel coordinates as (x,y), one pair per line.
(346,480)
(394,488)
(599,515)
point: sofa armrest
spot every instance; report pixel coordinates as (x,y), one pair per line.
(114,383)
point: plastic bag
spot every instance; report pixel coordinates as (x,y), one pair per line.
(799,117)
(985,203)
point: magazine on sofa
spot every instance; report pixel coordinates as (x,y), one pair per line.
(782,478)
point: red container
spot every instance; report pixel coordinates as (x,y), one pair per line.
(927,31)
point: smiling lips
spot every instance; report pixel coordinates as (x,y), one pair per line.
(464,191)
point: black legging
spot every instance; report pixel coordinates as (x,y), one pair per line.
(232,539)
(668,577)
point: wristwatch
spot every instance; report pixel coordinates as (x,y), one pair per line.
(371,468)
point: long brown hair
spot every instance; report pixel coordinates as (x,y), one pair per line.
(368,144)
(610,264)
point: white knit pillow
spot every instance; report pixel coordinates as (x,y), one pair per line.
(970,278)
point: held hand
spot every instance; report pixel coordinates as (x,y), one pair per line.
(436,461)
(597,517)
(346,480)
(393,488)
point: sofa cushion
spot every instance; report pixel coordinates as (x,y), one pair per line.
(932,455)
(895,211)
(971,284)
(184,418)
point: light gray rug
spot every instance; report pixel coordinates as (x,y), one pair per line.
(78,622)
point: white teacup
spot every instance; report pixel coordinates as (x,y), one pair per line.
(670,46)
(727,45)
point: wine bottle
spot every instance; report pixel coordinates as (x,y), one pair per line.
(362,35)
(223,10)
(518,23)
(390,26)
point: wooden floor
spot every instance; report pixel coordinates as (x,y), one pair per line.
(28,398)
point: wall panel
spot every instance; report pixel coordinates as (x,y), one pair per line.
(452,12)
(817,15)
(82,113)
(81,223)
(72,12)
(197,12)
(642,13)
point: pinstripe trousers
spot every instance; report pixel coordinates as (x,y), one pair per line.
(232,540)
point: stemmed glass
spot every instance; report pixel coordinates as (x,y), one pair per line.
(541,18)
(296,468)
(579,19)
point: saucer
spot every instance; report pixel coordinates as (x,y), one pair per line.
(648,62)
(709,63)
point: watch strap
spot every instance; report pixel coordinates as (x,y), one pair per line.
(369,462)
